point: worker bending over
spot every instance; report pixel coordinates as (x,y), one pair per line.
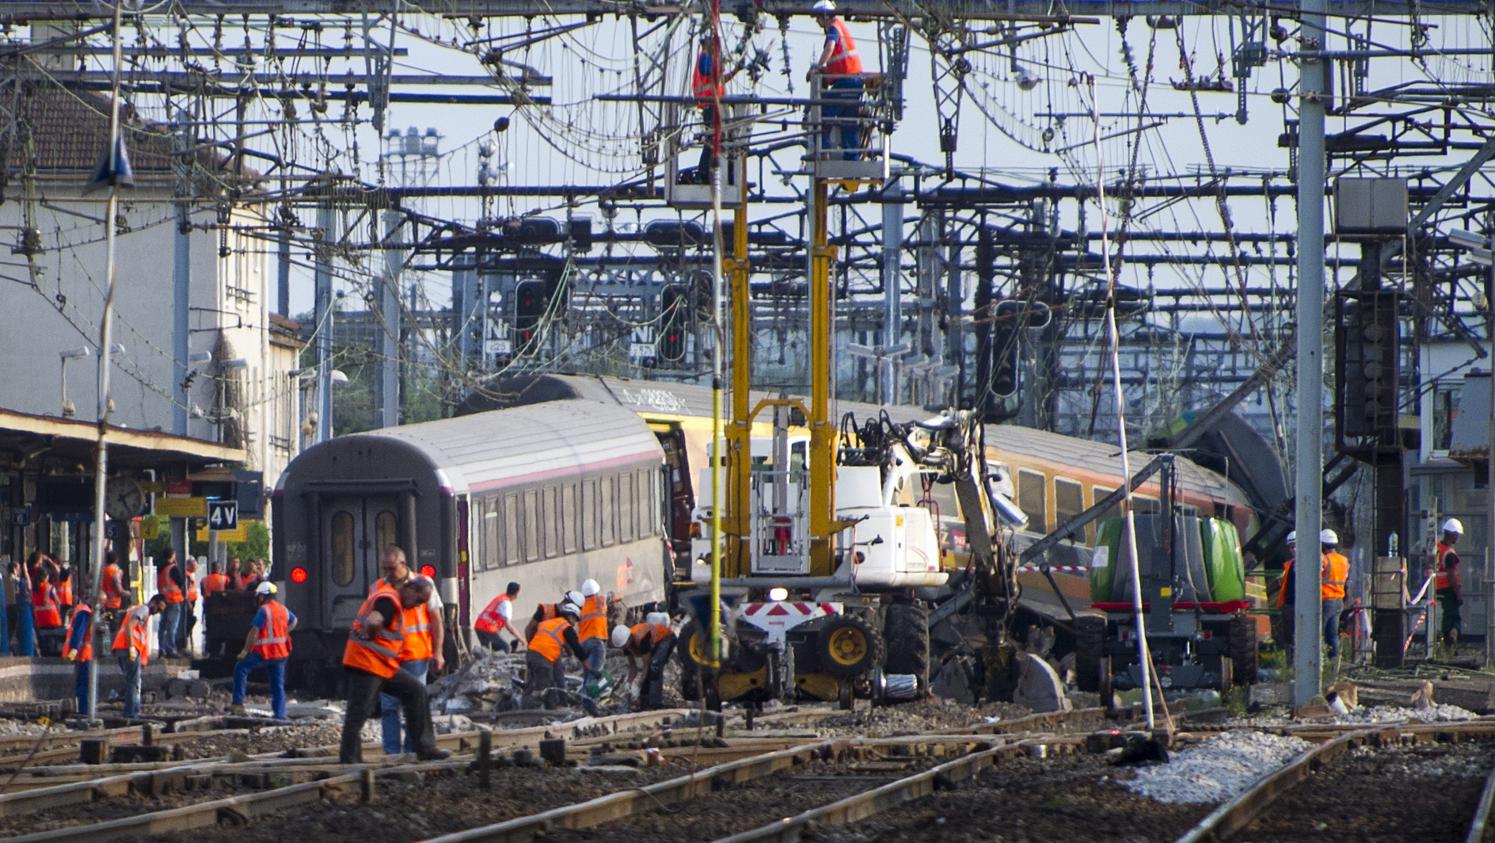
(267,646)
(425,638)
(546,611)
(649,645)
(372,661)
(498,618)
(132,647)
(542,661)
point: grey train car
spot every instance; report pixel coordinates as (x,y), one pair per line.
(545,495)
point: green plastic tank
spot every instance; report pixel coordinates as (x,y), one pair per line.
(1222,559)
(1107,540)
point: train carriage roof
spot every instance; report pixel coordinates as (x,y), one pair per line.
(681,399)
(523,444)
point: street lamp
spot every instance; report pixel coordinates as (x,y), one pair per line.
(68,408)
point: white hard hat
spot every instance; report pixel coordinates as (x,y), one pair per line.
(589,588)
(1292,536)
(573,597)
(620,635)
(1328,536)
(265,588)
(661,618)
(1453,525)
(823,7)
(569,608)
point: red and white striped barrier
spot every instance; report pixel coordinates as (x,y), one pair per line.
(791,609)
(1063,569)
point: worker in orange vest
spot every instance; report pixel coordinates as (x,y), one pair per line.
(841,67)
(189,609)
(171,585)
(1334,575)
(1447,585)
(546,611)
(425,639)
(112,584)
(132,649)
(216,582)
(542,660)
(78,648)
(46,611)
(267,645)
(65,584)
(372,661)
(496,618)
(592,630)
(650,643)
(1284,600)
(708,89)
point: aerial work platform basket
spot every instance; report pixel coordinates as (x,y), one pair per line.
(686,135)
(849,127)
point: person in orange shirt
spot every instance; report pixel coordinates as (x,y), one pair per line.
(425,639)
(267,646)
(132,648)
(1335,575)
(841,66)
(215,582)
(371,660)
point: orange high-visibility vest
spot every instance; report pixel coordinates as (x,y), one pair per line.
(191,587)
(549,639)
(65,592)
(167,586)
(844,61)
(379,655)
(214,583)
(700,84)
(1336,574)
(1287,583)
(135,632)
(641,633)
(114,597)
(273,640)
(44,607)
(593,619)
(1442,581)
(490,620)
(415,623)
(84,615)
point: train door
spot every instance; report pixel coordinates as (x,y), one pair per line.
(682,498)
(356,530)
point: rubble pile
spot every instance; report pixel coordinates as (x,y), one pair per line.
(492,681)
(1216,769)
(1432,713)
(21,727)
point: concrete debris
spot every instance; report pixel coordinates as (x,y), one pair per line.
(490,682)
(21,727)
(1216,769)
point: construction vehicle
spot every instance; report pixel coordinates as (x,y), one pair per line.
(827,545)
(1194,605)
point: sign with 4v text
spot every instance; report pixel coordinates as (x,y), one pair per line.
(223,515)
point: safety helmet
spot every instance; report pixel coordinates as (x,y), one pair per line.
(573,597)
(265,589)
(1453,525)
(589,588)
(1328,536)
(620,635)
(569,608)
(823,7)
(661,618)
(1292,536)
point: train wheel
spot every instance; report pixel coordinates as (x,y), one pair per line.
(848,646)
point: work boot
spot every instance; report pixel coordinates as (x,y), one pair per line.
(432,754)
(237,709)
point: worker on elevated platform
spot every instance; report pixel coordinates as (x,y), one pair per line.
(46,608)
(112,585)
(1447,584)
(216,582)
(840,67)
(708,92)
(171,584)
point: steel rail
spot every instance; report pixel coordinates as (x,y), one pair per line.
(614,806)
(1231,818)
(1481,821)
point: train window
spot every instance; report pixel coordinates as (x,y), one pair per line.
(489,550)
(627,504)
(1143,503)
(569,524)
(591,513)
(532,549)
(342,547)
(510,554)
(552,523)
(1031,498)
(609,510)
(1069,501)
(384,531)
(1099,494)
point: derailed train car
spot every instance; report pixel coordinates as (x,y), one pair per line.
(545,495)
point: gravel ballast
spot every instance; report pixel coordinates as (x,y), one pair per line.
(1216,769)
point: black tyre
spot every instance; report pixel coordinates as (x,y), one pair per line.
(1090,649)
(1227,676)
(906,635)
(1103,685)
(692,655)
(1243,649)
(847,646)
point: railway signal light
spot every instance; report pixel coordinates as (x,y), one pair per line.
(1367,343)
(1006,333)
(298,575)
(529,308)
(673,321)
(428,571)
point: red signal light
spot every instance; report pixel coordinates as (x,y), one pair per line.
(298,575)
(428,571)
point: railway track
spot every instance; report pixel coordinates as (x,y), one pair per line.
(1446,772)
